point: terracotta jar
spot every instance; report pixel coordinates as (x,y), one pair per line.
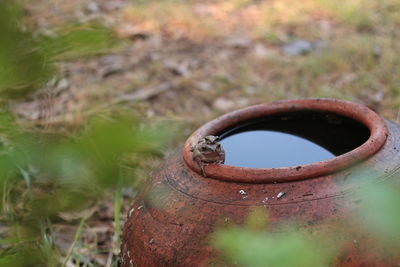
(172,217)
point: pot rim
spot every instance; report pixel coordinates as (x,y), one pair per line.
(375,124)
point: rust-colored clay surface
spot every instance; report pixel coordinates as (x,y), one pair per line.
(172,217)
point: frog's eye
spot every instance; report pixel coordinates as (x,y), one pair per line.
(218,146)
(203,148)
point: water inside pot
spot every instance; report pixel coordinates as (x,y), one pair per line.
(291,139)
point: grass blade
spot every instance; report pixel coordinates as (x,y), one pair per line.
(76,237)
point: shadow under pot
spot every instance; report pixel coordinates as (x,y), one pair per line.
(299,160)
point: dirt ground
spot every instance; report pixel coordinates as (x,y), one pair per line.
(189,61)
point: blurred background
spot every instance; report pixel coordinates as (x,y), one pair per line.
(193,60)
(72,72)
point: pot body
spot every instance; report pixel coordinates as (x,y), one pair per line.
(172,218)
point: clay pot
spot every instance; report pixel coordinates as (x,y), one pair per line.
(172,217)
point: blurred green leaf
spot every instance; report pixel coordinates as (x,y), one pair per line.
(104,143)
(72,171)
(257,218)
(78,40)
(380,207)
(246,247)
(23,65)
(27,255)
(27,63)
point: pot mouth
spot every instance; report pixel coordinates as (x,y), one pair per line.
(356,112)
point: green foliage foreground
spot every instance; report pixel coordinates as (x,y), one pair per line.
(247,247)
(43,176)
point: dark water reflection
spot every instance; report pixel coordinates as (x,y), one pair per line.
(292,139)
